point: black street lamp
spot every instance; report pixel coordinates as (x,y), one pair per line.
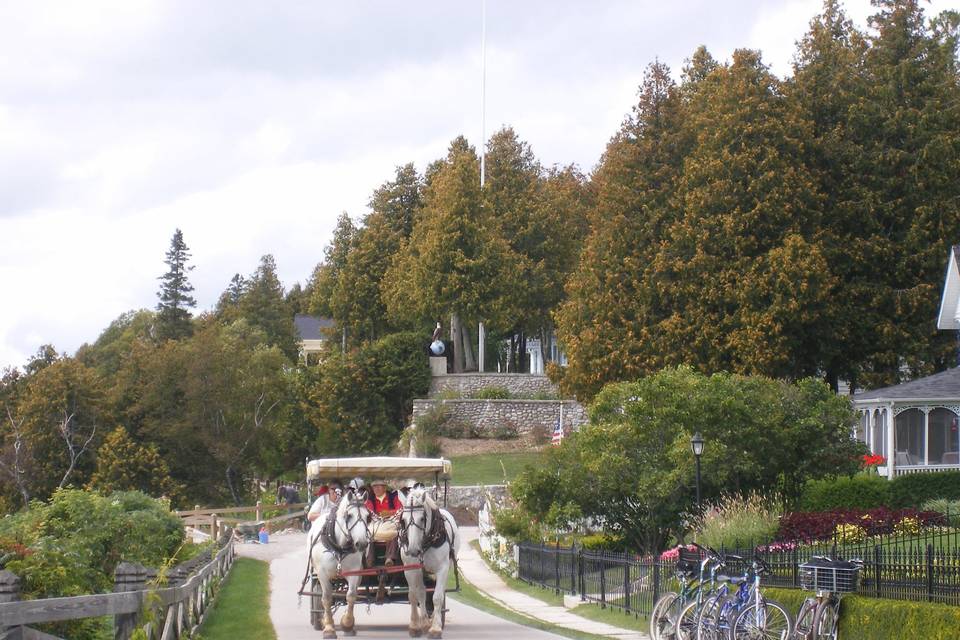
(696,443)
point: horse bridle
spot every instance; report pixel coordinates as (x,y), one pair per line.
(329,540)
(430,539)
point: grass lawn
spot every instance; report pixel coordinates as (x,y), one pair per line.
(242,608)
(488,468)
(611,616)
(469,594)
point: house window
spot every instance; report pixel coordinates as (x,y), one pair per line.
(909,437)
(880,432)
(944,443)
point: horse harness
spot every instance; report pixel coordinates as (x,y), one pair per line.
(433,538)
(328,534)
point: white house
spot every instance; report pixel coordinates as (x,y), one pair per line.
(914,425)
(310,330)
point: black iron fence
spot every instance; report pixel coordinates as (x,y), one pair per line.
(923,568)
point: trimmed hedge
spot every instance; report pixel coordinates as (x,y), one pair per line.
(857,492)
(863,618)
(913,489)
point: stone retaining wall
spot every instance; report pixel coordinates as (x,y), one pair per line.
(491,416)
(466,384)
(471,497)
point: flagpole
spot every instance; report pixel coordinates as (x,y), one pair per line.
(483,93)
(561,421)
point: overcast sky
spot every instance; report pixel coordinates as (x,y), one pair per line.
(252,125)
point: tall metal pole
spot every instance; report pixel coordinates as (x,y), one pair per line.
(699,510)
(483,94)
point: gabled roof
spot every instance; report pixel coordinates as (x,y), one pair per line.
(950,302)
(940,386)
(311,327)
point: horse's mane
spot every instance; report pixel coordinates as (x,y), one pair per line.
(428,500)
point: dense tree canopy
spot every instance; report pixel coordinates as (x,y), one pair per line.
(631,467)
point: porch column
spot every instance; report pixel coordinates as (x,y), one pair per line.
(926,435)
(868,433)
(889,422)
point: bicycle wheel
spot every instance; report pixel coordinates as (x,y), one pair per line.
(803,629)
(825,625)
(708,617)
(768,621)
(686,628)
(658,617)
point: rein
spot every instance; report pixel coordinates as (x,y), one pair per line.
(434,537)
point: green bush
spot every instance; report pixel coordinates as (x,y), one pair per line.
(913,489)
(863,618)
(72,544)
(736,521)
(861,491)
(430,425)
(514,523)
(492,393)
(949,508)
(603,542)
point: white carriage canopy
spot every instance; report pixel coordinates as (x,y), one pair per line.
(422,469)
(914,425)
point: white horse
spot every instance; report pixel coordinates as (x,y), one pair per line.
(428,535)
(338,541)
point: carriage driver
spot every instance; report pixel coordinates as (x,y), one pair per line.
(385,504)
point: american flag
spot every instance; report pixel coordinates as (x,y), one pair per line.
(557,433)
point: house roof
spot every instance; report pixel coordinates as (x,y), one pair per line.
(311,327)
(940,386)
(950,302)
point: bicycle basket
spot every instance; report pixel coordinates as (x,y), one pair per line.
(688,562)
(836,577)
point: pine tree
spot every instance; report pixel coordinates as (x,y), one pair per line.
(323,284)
(455,265)
(263,306)
(173,310)
(609,321)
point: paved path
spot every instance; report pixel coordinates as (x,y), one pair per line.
(287,556)
(286,553)
(479,574)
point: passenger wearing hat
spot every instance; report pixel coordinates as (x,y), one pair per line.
(384,503)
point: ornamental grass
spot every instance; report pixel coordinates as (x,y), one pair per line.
(739,520)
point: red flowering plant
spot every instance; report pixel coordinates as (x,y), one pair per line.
(823,525)
(870,462)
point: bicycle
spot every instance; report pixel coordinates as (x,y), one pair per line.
(668,608)
(687,623)
(752,616)
(819,615)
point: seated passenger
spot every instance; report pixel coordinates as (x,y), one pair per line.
(385,504)
(326,498)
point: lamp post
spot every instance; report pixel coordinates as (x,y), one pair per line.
(696,443)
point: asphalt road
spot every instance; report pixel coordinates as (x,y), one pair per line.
(291,620)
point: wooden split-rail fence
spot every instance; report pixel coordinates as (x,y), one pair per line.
(214,520)
(167,612)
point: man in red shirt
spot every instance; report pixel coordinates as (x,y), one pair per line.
(384,504)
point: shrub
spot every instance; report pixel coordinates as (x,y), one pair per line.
(861,491)
(913,489)
(863,618)
(424,433)
(491,393)
(515,524)
(603,542)
(949,508)
(71,545)
(506,430)
(541,434)
(737,520)
(840,524)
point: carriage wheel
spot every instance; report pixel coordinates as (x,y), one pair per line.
(316,605)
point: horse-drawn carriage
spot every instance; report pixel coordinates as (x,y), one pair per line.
(340,571)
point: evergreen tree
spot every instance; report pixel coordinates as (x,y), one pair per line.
(228,306)
(173,310)
(357,304)
(608,322)
(323,284)
(263,305)
(455,265)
